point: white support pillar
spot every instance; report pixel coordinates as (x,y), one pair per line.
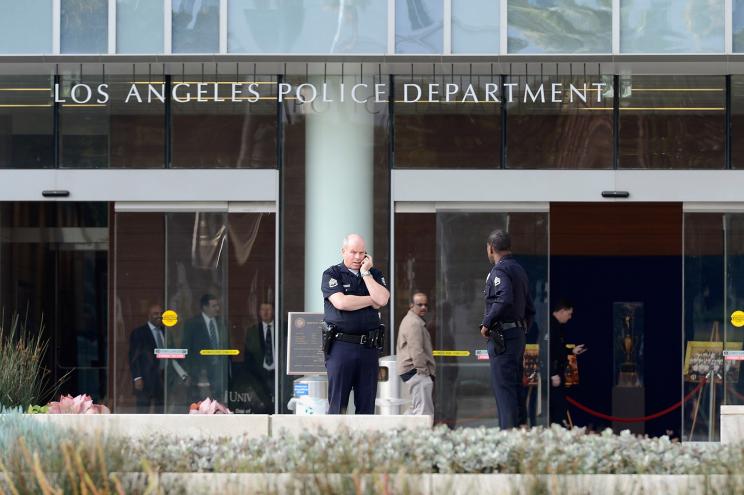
(338,181)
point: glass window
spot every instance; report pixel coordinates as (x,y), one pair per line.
(84,125)
(224,134)
(54,269)
(26,122)
(475,26)
(570,133)
(672,122)
(196,26)
(216,267)
(418,26)
(310,26)
(555,26)
(84,26)
(446,135)
(26,27)
(139,26)
(671,26)
(737,122)
(738,25)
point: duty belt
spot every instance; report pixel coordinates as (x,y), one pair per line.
(511,324)
(354,338)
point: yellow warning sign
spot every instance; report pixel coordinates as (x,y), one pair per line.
(452,353)
(737,318)
(219,352)
(170,318)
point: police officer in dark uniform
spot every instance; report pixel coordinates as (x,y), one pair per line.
(353,292)
(509,313)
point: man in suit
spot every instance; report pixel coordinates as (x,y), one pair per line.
(147,371)
(208,374)
(260,359)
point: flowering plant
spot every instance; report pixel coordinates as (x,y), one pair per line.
(82,404)
(208,406)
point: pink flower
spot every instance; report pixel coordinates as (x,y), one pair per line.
(208,406)
(82,404)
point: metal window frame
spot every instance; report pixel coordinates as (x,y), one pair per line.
(391,27)
(167,27)
(56,26)
(112,27)
(223,27)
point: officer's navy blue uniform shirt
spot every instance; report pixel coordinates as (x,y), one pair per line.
(338,278)
(507,294)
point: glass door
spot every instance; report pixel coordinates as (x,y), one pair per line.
(441,252)
(212,270)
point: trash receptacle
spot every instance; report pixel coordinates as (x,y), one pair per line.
(389,385)
(310,395)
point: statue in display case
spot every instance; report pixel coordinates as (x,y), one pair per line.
(628,394)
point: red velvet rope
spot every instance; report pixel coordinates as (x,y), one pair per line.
(636,420)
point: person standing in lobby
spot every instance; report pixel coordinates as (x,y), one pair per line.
(415,356)
(147,370)
(260,359)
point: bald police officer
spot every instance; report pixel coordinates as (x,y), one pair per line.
(353,293)
(509,313)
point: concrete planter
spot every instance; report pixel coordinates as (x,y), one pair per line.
(226,425)
(431,484)
(732,424)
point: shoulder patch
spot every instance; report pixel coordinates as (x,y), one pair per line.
(496,281)
(332,283)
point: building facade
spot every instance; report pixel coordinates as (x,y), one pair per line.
(155,152)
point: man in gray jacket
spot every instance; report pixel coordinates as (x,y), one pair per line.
(415,357)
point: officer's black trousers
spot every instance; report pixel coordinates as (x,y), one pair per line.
(506,376)
(352,366)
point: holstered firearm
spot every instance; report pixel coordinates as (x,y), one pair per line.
(328,336)
(378,338)
(496,333)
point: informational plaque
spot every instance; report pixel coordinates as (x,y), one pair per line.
(304,344)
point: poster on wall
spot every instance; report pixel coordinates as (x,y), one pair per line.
(703,359)
(531,362)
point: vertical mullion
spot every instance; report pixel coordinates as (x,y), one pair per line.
(223,27)
(728,27)
(112,26)
(447,27)
(391,27)
(279,243)
(55,124)
(616,122)
(168,80)
(503,27)
(56,26)
(391,202)
(727,146)
(615,27)
(502,161)
(167,26)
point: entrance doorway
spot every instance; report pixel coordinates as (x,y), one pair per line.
(620,266)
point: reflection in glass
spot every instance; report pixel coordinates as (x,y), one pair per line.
(475,26)
(139,26)
(566,134)
(26,27)
(418,26)
(441,255)
(704,316)
(310,26)
(216,271)
(738,25)
(676,26)
(85,126)
(737,122)
(84,26)
(672,122)
(54,269)
(447,135)
(225,134)
(26,121)
(196,26)
(560,26)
